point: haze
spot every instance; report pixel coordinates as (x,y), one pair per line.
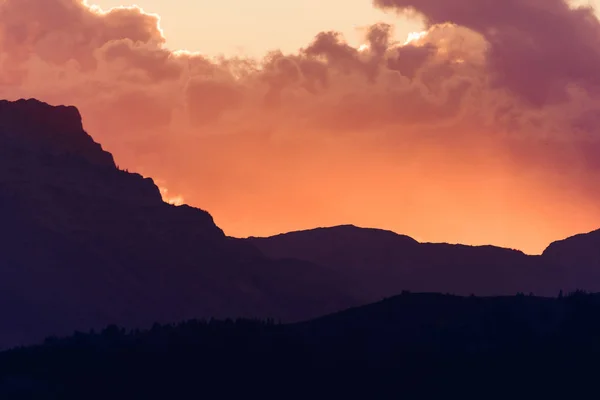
(482,130)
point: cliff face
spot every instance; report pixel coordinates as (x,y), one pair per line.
(54,175)
(83,244)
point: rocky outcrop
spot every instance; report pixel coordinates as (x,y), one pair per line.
(84,244)
(31,127)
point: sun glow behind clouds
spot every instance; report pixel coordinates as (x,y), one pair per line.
(415,37)
(167,198)
(412,38)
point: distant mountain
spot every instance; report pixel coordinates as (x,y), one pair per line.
(580,256)
(582,249)
(385,263)
(84,244)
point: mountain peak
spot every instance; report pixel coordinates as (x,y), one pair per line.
(39,128)
(577,251)
(345,232)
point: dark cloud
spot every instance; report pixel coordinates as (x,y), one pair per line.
(409,59)
(536,47)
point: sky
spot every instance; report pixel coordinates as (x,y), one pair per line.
(256,27)
(483,128)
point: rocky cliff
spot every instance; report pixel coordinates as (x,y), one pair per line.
(84,244)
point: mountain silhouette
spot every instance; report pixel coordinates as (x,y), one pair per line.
(580,256)
(582,249)
(386,263)
(85,244)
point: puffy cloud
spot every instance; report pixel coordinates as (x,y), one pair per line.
(156,64)
(481,129)
(61,30)
(560,43)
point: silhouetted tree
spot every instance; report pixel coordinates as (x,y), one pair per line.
(431,337)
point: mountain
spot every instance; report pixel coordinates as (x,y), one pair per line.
(580,256)
(385,263)
(84,244)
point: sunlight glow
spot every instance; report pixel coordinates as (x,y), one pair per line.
(100,11)
(415,37)
(175,200)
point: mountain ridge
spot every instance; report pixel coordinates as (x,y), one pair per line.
(386,267)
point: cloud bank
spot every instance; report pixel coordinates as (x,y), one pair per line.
(484,128)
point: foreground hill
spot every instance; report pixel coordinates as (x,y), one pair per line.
(421,345)
(84,244)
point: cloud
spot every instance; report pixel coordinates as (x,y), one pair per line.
(483,128)
(560,43)
(61,30)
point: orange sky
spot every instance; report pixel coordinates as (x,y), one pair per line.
(484,130)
